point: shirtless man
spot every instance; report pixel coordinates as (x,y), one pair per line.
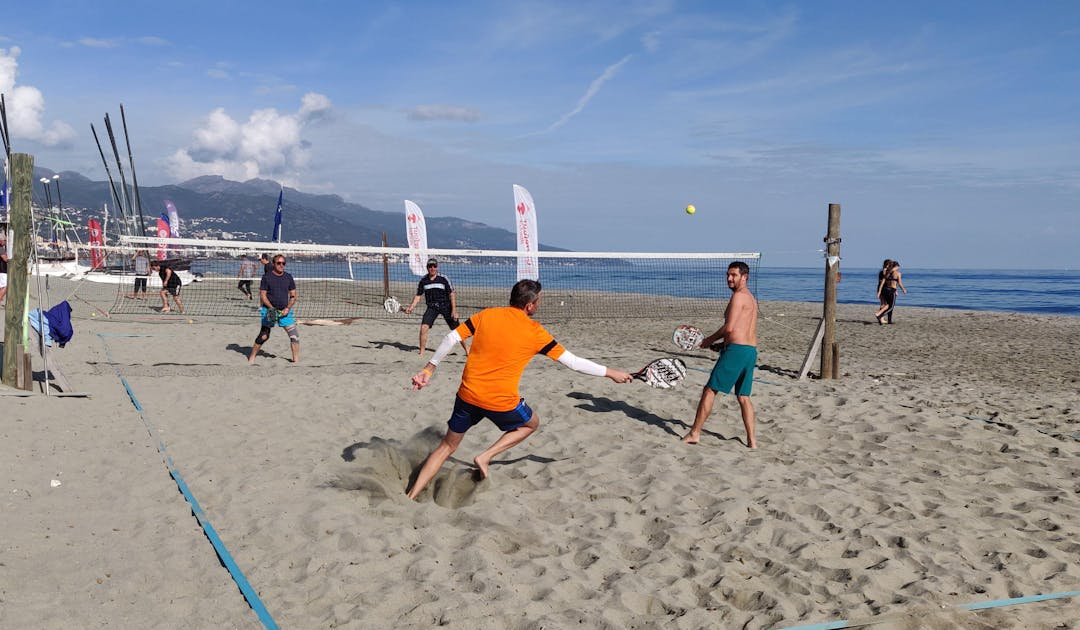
(505,339)
(735,367)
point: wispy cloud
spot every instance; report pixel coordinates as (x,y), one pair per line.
(444,112)
(153,40)
(98,42)
(594,89)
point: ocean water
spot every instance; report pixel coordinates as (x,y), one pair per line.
(1028,291)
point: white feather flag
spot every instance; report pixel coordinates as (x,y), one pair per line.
(528,243)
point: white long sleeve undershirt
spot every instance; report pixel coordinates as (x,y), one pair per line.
(569,359)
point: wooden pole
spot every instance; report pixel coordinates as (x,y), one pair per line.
(15,339)
(385,270)
(832,266)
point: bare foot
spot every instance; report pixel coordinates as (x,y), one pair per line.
(166,310)
(752,444)
(691,438)
(482,464)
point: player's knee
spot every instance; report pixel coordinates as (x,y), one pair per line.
(264,334)
(294,334)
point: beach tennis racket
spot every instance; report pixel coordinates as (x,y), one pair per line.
(391,305)
(662,373)
(687,337)
(272,315)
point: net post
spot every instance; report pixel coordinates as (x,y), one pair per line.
(15,337)
(385,269)
(832,266)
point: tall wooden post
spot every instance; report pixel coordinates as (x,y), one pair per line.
(385,269)
(829,369)
(22,175)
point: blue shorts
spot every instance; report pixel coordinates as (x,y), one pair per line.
(734,368)
(284,322)
(466,416)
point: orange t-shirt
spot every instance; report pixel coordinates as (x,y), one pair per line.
(505,339)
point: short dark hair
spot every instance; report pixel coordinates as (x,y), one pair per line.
(432,262)
(525,292)
(744,269)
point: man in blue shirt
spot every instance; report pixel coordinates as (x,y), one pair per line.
(277,294)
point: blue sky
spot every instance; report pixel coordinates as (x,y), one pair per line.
(948,132)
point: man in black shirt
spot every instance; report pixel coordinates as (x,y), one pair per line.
(277,295)
(170,285)
(439,294)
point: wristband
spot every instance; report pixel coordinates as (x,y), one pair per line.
(428,372)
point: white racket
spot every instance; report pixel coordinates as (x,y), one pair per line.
(662,373)
(391,305)
(687,337)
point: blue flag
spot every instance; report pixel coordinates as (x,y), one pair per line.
(3,195)
(276,236)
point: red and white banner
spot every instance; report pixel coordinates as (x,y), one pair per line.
(97,241)
(528,243)
(162,232)
(416,234)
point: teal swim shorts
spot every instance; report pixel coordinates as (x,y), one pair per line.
(734,368)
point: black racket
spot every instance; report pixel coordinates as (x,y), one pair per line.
(662,373)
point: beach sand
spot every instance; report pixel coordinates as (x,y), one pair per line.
(937,471)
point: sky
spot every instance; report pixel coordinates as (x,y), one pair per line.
(947,131)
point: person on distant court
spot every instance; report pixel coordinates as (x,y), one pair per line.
(3,269)
(738,356)
(246,272)
(277,295)
(142,272)
(505,339)
(890,282)
(267,265)
(439,294)
(170,285)
(880,277)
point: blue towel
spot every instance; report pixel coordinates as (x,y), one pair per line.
(59,318)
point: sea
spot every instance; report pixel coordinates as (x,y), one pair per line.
(1047,292)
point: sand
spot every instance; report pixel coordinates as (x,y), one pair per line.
(941,469)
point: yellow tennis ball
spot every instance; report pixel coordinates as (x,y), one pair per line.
(690,209)
(191,321)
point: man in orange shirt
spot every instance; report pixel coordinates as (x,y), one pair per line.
(505,339)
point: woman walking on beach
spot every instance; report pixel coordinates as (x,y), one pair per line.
(880,278)
(890,282)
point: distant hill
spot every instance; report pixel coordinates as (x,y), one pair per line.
(213,206)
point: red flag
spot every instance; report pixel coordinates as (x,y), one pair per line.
(97,254)
(162,232)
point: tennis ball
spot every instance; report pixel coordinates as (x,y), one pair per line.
(191,321)
(690,209)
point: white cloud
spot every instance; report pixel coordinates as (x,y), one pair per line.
(268,144)
(444,112)
(217,73)
(594,89)
(97,42)
(26,107)
(153,40)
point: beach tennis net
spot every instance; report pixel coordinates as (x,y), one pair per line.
(344,282)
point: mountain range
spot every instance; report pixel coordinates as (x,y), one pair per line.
(214,207)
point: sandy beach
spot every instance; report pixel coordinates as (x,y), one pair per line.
(941,469)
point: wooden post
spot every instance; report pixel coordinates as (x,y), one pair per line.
(836,360)
(832,266)
(385,270)
(15,339)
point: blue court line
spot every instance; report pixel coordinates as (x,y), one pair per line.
(997,603)
(223,554)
